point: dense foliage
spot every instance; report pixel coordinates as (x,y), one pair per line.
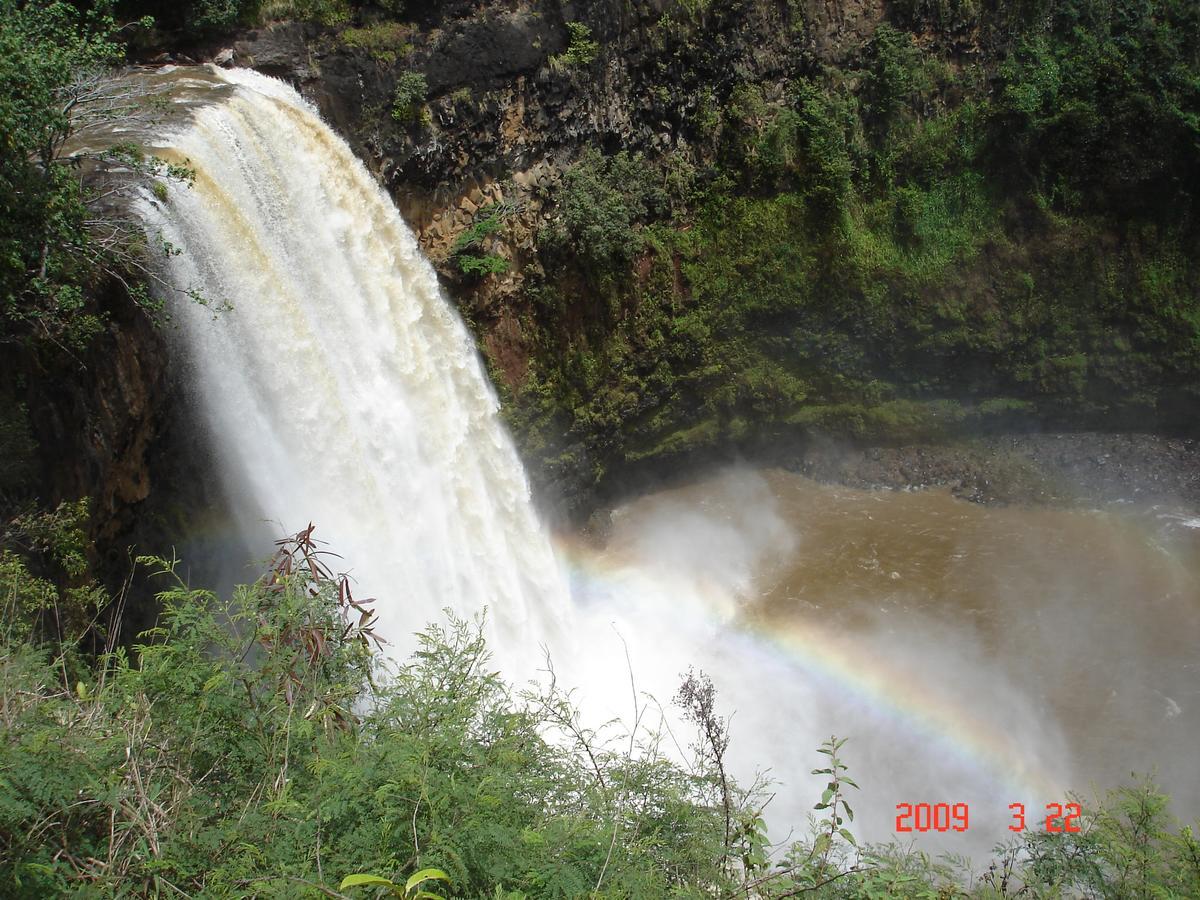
(70,254)
(65,232)
(50,57)
(409,97)
(257,746)
(201,20)
(920,243)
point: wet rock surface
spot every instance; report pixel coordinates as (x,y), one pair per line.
(97,417)
(278,50)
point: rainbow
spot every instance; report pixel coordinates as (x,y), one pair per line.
(913,704)
(835,664)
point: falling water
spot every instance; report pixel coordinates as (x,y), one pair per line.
(338,385)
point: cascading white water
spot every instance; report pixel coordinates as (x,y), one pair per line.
(340,387)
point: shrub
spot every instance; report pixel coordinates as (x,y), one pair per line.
(601,202)
(481,266)
(468,251)
(896,78)
(408,99)
(581,49)
(819,131)
(248,732)
(327,12)
(1100,106)
(220,15)
(256,745)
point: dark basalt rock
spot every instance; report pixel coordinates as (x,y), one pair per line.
(278,50)
(487,52)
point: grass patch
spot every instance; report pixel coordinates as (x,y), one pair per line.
(383,41)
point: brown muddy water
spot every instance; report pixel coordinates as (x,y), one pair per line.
(152,101)
(969,654)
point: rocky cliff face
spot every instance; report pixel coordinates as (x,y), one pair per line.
(509,106)
(679,227)
(504,118)
(506,112)
(112,424)
(97,418)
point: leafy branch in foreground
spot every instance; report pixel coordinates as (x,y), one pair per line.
(257,745)
(833,798)
(410,890)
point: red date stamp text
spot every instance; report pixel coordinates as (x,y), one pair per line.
(1060,817)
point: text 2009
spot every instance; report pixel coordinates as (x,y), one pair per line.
(1060,817)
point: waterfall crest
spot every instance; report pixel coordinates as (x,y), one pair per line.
(340,387)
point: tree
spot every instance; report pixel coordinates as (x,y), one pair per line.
(59,230)
(1100,107)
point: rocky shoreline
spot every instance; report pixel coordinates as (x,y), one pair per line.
(1052,468)
(1077,469)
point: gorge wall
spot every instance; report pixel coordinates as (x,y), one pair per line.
(685,228)
(681,230)
(505,113)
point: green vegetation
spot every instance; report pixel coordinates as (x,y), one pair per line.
(581,49)
(469,252)
(602,201)
(257,746)
(410,890)
(61,235)
(912,247)
(481,266)
(1100,110)
(408,99)
(218,15)
(384,41)
(52,60)
(45,580)
(199,17)
(202,19)
(326,12)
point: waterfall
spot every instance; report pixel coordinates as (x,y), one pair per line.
(337,383)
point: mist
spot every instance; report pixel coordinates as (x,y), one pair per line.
(968,654)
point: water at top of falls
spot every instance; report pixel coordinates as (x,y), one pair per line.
(339,387)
